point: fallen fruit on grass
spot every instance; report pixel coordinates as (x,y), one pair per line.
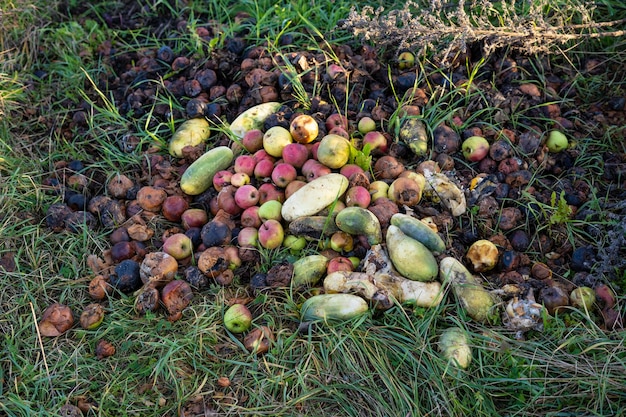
(583,298)
(475,148)
(556,141)
(127,277)
(477,302)
(411,258)
(304,128)
(404,191)
(314,196)
(271,234)
(176,296)
(333,151)
(259,340)
(147,300)
(553,298)
(483,254)
(92,316)
(158,268)
(237,318)
(198,177)
(366,124)
(99,287)
(178,245)
(192,132)
(270,210)
(454,347)
(104,349)
(339,263)
(275,139)
(332,307)
(56,319)
(253,118)
(173,207)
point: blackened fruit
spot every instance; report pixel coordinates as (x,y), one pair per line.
(126,278)
(76,221)
(196,278)
(446,140)
(56,215)
(122,250)
(583,259)
(165,54)
(258,281)
(553,298)
(215,233)
(519,240)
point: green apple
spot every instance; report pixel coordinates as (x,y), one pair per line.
(556,141)
(275,139)
(238,318)
(271,210)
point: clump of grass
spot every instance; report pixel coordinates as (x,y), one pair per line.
(446,29)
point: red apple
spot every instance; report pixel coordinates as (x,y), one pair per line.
(250,217)
(376,140)
(313,169)
(334,70)
(283,174)
(221,179)
(269,191)
(304,128)
(178,245)
(262,154)
(226,200)
(246,196)
(339,131)
(358,196)
(263,169)
(245,164)
(336,120)
(340,263)
(349,170)
(173,207)
(239,179)
(293,186)
(252,140)
(194,217)
(313,150)
(295,154)
(475,148)
(271,234)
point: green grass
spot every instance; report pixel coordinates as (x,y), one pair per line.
(379,364)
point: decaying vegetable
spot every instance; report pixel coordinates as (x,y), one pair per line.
(314,196)
(382,285)
(314,227)
(198,177)
(411,259)
(359,221)
(309,270)
(454,346)
(439,188)
(413,132)
(477,302)
(191,132)
(420,231)
(56,319)
(523,314)
(332,307)
(253,118)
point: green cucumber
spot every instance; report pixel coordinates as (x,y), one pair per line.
(198,177)
(419,231)
(333,307)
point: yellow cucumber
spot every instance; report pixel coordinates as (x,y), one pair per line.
(359,221)
(477,302)
(419,231)
(314,196)
(411,259)
(198,177)
(333,307)
(309,270)
(191,133)
(253,118)
(455,348)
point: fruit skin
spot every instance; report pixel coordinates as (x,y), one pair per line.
(332,307)
(270,210)
(253,118)
(556,141)
(583,298)
(198,177)
(309,270)
(366,124)
(245,164)
(246,196)
(283,174)
(336,120)
(376,140)
(378,189)
(405,191)
(191,132)
(271,234)
(340,263)
(295,154)
(315,227)
(237,318)
(411,259)
(275,139)
(252,140)
(419,231)
(358,196)
(304,128)
(483,254)
(468,290)
(359,221)
(178,245)
(475,148)
(333,151)
(454,346)
(314,196)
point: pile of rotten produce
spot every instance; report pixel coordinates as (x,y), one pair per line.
(341,204)
(369,203)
